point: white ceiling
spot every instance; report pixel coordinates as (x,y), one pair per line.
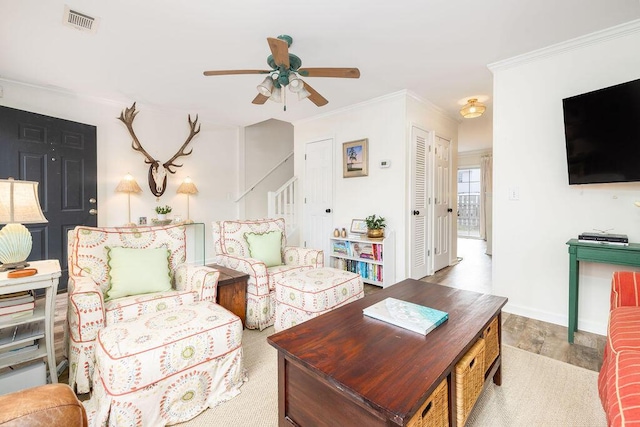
(154,51)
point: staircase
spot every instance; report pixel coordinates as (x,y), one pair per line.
(282,204)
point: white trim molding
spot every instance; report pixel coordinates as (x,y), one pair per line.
(568,45)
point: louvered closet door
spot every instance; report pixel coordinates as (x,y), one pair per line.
(419,203)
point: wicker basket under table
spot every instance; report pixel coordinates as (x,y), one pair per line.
(434,412)
(469,380)
(491,343)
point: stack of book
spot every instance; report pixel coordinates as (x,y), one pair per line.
(20,338)
(16,305)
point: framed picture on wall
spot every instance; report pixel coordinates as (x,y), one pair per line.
(355,158)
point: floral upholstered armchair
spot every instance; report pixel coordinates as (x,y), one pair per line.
(259,249)
(117,274)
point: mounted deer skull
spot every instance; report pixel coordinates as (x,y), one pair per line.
(157,172)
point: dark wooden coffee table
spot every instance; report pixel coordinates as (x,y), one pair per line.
(343,368)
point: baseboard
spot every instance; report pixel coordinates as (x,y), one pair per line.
(599,328)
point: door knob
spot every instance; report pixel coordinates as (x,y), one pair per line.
(327,210)
(416,212)
(92,201)
(93,211)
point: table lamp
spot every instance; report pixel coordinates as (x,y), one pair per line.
(128,185)
(187,187)
(19,204)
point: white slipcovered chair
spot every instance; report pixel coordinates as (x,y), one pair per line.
(89,283)
(237,244)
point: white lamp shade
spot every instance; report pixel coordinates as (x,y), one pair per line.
(303,93)
(295,84)
(266,86)
(19,202)
(276,95)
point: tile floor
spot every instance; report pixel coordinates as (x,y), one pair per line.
(473,273)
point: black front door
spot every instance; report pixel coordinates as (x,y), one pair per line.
(61,156)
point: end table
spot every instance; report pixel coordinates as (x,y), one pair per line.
(232,290)
(46,278)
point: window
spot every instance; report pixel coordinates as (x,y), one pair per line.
(469,202)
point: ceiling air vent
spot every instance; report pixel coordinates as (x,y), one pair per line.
(79,21)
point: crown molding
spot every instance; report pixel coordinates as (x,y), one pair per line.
(568,45)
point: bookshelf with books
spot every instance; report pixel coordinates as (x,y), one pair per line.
(26,324)
(373,259)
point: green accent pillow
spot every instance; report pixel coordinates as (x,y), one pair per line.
(137,271)
(265,247)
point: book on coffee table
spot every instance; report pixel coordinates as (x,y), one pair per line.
(408,315)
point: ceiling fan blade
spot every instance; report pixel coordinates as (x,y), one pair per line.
(349,73)
(260,99)
(227,72)
(314,96)
(279,50)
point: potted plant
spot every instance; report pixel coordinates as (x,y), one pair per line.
(375,226)
(162,211)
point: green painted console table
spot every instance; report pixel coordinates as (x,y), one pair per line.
(594,252)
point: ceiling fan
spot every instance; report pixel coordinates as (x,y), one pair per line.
(286,72)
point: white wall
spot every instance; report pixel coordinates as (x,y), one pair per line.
(530,258)
(266,144)
(213,166)
(385,122)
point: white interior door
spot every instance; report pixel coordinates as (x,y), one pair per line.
(442,204)
(419,203)
(318,195)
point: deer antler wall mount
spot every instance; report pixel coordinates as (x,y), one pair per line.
(157,171)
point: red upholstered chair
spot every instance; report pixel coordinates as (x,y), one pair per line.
(619,378)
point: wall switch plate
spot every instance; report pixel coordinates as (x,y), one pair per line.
(514,193)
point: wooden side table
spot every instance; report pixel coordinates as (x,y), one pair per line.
(232,290)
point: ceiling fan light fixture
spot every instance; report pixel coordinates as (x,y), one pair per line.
(472,109)
(295,84)
(266,87)
(276,95)
(303,93)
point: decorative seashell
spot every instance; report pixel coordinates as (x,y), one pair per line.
(15,243)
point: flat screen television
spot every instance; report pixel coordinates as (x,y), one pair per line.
(602,133)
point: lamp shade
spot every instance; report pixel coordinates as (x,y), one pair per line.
(187,187)
(266,86)
(128,185)
(19,202)
(472,109)
(295,84)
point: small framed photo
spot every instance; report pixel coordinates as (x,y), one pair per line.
(142,220)
(355,158)
(358,226)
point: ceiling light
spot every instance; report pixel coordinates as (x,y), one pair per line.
(266,86)
(276,95)
(472,109)
(303,93)
(295,84)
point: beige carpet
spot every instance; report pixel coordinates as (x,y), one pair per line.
(535,391)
